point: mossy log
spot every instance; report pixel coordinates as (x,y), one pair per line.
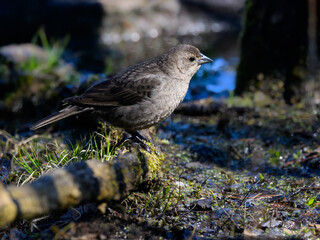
(90,181)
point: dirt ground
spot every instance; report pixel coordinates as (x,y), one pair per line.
(235,173)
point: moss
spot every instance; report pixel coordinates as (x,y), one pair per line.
(155,159)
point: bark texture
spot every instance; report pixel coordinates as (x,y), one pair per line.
(90,181)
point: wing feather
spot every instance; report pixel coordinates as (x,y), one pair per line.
(118,93)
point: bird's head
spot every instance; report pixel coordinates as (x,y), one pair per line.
(187,59)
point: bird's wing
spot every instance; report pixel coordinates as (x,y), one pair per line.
(114,93)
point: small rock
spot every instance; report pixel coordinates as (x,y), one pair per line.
(205,154)
(19,53)
(271,223)
(194,165)
(180,184)
(5,169)
(252,234)
(290,225)
(202,205)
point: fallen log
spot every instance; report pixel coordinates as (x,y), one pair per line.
(78,183)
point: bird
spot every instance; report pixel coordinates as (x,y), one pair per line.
(139,97)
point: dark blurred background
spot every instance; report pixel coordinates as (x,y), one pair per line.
(138,29)
(52,49)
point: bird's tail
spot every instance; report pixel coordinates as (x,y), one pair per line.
(64,113)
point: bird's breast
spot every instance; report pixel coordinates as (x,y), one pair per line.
(151,110)
(172,93)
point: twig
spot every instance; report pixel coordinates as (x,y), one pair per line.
(243,200)
(229,217)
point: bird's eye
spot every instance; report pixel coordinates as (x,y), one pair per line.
(192,59)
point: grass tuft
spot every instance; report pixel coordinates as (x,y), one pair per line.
(43,154)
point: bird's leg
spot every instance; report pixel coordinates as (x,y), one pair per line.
(125,137)
(136,134)
(135,137)
(138,138)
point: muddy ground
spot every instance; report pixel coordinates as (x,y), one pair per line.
(231,171)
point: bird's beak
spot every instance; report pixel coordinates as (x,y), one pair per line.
(204,59)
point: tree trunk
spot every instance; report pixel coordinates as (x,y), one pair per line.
(274,41)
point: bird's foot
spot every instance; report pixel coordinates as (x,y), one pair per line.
(138,138)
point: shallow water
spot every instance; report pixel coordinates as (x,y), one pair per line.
(217,80)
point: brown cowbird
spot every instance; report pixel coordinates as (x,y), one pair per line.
(141,96)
